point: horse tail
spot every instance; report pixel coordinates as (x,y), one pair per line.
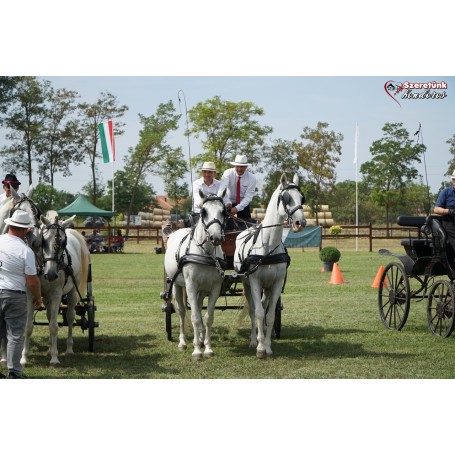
(85,260)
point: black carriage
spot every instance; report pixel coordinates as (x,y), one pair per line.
(230,288)
(85,313)
(425,272)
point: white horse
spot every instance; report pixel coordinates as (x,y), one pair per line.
(63,260)
(262,259)
(194,260)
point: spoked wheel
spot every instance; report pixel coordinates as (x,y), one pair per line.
(91,325)
(394,296)
(440,309)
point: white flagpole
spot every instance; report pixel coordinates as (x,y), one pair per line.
(356,187)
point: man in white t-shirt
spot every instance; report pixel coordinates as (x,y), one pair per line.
(17,272)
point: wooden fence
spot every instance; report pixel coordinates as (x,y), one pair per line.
(368,231)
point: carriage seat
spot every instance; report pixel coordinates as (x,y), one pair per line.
(416,247)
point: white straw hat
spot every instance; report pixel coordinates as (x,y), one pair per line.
(453,175)
(208,166)
(240,160)
(20,219)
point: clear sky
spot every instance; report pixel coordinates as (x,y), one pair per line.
(290,104)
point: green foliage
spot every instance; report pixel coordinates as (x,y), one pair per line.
(329,254)
(335,230)
(318,157)
(173,170)
(48,198)
(228,128)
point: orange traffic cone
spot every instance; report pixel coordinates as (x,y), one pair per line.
(378,278)
(336,277)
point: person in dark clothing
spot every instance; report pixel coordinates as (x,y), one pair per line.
(445,206)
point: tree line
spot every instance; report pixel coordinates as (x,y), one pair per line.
(53,129)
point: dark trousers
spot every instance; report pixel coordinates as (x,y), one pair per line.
(449,227)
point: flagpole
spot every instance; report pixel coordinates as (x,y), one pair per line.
(356,188)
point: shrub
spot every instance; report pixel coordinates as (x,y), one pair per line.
(335,230)
(329,254)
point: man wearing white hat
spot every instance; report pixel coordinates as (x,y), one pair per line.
(207,183)
(241,185)
(445,206)
(17,272)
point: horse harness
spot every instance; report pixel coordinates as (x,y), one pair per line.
(60,251)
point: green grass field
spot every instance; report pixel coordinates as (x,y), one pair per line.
(328,331)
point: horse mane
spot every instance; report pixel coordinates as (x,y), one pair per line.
(85,258)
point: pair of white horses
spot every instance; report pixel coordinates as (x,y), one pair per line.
(194,260)
(62,259)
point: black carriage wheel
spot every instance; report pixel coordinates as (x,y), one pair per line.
(394,296)
(440,309)
(169,310)
(91,325)
(277,323)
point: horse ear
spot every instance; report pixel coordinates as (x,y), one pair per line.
(223,193)
(44,220)
(296,179)
(68,221)
(202,194)
(283,179)
(30,191)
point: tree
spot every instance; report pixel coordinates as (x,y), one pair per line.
(451,163)
(391,168)
(106,107)
(280,157)
(25,120)
(60,142)
(228,128)
(173,170)
(122,194)
(7,85)
(48,198)
(151,151)
(318,157)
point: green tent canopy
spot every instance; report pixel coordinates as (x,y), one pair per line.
(83,207)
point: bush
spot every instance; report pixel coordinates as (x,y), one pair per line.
(335,230)
(329,254)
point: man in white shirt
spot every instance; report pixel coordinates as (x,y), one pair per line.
(241,185)
(10,180)
(17,273)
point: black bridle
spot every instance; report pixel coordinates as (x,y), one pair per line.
(59,247)
(215,220)
(284,197)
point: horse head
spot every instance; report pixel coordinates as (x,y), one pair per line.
(23,202)
(213,217)
(290,203)
(53,246)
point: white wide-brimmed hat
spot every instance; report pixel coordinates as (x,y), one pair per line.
(208,166)
(453,175)
(240,160)
(20,219)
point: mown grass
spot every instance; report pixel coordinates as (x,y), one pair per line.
(328,331)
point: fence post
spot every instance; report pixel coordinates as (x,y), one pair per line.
(371,238)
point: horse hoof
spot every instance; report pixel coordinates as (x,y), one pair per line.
(208,354)
(55,364)
(182,347)
(261,355)
(197,356)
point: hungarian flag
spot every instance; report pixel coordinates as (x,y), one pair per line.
(107,141)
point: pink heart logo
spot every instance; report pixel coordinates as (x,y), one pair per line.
(392,89)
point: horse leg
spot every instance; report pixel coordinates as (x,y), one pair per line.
(27,332)
(256,291)
(196,320)
(271,297)
(251,311)
(181,310)
(209,318)
(3,350)
(52,315)
(70,316)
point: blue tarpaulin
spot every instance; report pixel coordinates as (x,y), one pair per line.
(309,237)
